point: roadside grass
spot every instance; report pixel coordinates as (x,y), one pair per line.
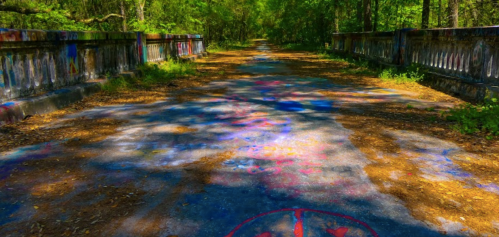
(216,47)
(470,118)
(302,47)
(410,74)
(151,74)
(360,66)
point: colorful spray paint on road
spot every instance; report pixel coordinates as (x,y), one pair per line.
(291,170)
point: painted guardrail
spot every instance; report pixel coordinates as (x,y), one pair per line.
(469,55)
(36,61)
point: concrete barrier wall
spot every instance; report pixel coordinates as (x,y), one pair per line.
(470,56)
(35,61)
(160,47)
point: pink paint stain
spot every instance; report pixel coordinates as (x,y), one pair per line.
(269,83)
(340,232)
(310,171)
(322,157)
(285,162)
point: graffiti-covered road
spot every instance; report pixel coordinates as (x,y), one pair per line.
(264,158)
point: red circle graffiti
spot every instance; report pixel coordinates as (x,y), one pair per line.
(297,211)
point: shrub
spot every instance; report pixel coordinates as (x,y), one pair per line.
(411,74)
(164,72)
(475,118)
(227,45)
(152,74)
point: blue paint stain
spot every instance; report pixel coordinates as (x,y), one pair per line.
(290,106)
(11,73)
(490,187)
(269,99)
(265,90)
(2,85)
(8,104)
(286,129)
(7,209)
(6,167)
(322,105)
(72,55)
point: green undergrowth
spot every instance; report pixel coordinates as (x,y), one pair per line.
(151,74)
(411,74)
(215,47)
(302,47)
(470,118)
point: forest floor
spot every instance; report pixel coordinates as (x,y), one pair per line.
(260,130)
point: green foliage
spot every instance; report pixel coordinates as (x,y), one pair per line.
(116,84)
(152,74)
(407,75)
(160,73)
(310,22)
(302,47)
(227,46)
(475,118)
(354,66)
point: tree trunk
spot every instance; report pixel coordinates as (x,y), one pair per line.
(336,17)
(376,15)
(140,9)
(368,25)
(359,14)
(453,13)
(123,13)
(439,13)
(466,16)
(475,13)
(425,22)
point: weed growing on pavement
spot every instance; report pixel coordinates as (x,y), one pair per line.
(476,118)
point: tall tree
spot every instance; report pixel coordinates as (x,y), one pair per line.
(123,13)
(425,22)
(376,15)
(140,4)
(453,13)
(368,25)
(336,16)
(360,14)
(439,24)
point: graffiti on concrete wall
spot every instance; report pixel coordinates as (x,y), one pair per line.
(72,59)
(461,53)
(2,80)
(23,73)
